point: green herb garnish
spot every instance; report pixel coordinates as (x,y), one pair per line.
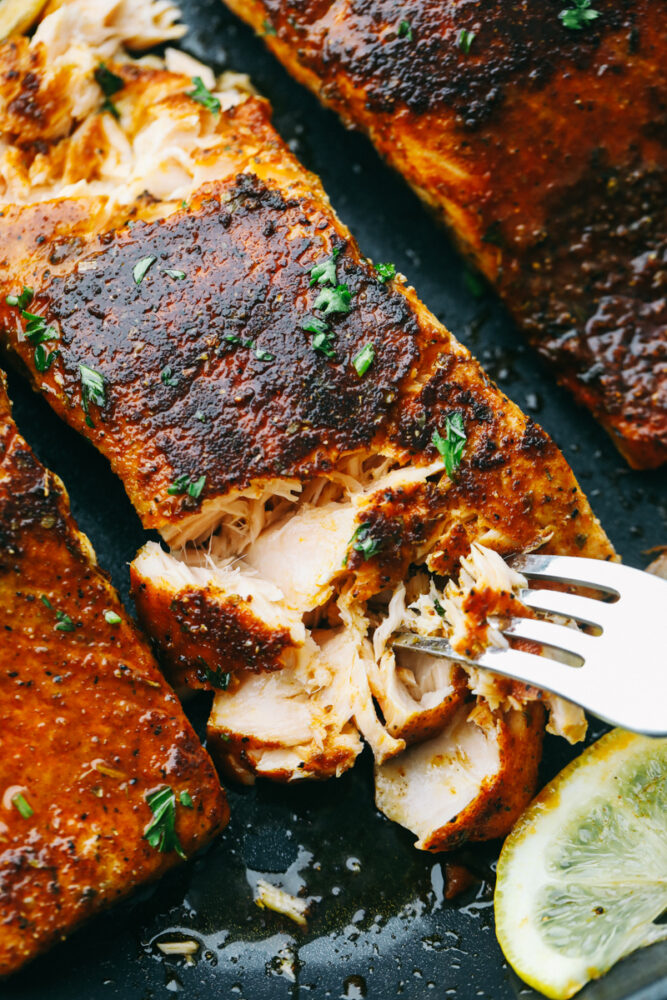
(579,16)
(385,272)
(186,800)
(109,84)
(20,802)
(64,622)
(167,377)
(267,28)
(334,300)
(46,602)
(23,300)
(405,30)
(264,355)
(161,831)
(112,618)
(141,267)
(364,360)
(474,284)
(464,40)
(202,95)
(44,358)
(323,337)
(452,444)
(363,542)
(184,484)
(325,272)
(92,390)
(173,273)
(218,678)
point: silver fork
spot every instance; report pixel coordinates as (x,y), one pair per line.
(622,671)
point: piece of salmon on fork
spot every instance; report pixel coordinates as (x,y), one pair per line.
(536,131)
(305,435)
(103,783)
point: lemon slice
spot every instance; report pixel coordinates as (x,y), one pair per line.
(582,877)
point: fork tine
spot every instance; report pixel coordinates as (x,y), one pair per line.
(583,609)
(538,671)
(558,636)
(572,569)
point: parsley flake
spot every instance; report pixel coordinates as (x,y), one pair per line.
(334,300)
(324,273)
(264,355)
(20,803)
(267,28)
(63,622)
(46,602)
(202,95)
(362,541)
(474,284)
(141,267)
(578,16)
(112,618)
(44,358)
(174,273)
(364,360)
(161,831)
(186,800)
(109,83)
(217,678)
(405,30)
(464,40)
(385,272)
(323,336)
(23,300)
(452,444)
(92,390)
(167,377)
(184,484)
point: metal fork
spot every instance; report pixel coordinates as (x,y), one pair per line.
(622,671)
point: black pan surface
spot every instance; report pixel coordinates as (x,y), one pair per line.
(380,926)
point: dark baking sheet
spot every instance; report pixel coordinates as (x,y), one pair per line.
(380,927)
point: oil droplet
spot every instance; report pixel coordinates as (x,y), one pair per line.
(354,988)
(353,865)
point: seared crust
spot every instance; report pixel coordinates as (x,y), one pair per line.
(296,414)
(542,148)
(203,634)
(75,704)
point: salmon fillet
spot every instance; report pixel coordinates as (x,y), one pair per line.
(90,732)
(541,146)
(304,434)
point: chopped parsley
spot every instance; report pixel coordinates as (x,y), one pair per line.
(184,484)
(323,336)
(202,95)
(364,360)
(362,541)
(92,390)
(161,831)
(109,83)
(23,300)
(452,444)
(20,802)
(438,607)
(218,678)
(174,273)
(63,622)
(405,30)
(464,40)
(334,300)
(267,28)
(385,272)
(579,16)
(264,355)
(46,602)
(325,272)
(112,618)
(141,267)
(474,284)
(36,331)
(167,376)
(186,800)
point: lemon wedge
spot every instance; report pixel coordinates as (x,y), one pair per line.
(17,16)
(582,877)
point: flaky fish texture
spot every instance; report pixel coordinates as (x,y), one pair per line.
(541,144)
(303,433)
(89,729)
